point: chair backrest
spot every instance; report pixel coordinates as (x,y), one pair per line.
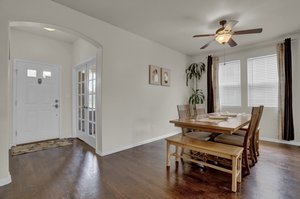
(200,109)
(184,111)
(254,122)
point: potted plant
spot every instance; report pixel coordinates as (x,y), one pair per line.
(194,73)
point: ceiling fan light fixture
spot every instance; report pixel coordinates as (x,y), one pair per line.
(223,38)
(49,29)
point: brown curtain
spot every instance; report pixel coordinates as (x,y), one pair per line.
(281,89)
(288,133)
(210,92)
(215,83)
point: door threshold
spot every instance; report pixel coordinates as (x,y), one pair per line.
(36,142)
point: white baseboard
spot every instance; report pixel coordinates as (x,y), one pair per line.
(5,181)
(108,152)
(295,143)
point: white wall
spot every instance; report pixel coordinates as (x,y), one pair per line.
(40,49)
(132,110)
(269,123)
(83,51)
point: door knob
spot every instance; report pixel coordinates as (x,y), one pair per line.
(56,105)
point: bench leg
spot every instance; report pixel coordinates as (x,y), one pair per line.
(234,174)
(240,166)
(168,155)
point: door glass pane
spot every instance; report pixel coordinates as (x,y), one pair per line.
(79,101)
(94,86)
(90,74)
(82,87)
(90,115)
(79,125)
(94,101)
(83,76)
(90,87)
(90,128)
(79,89)
(83,103)
(31,73)
(94,113)
(79,113)
(83,113)
(46,74)
(94,129)
(83,129)
(90,101)
(79,76)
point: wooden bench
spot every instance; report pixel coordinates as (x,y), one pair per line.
(230,152)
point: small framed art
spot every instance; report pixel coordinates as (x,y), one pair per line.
(154,75)
(165,77)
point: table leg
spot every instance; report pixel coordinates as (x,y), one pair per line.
(168,154)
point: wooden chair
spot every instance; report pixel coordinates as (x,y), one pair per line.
(245,141)
(184,112)
(199,109)
(255,138)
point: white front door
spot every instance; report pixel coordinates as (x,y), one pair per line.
(37,102)
(86,102)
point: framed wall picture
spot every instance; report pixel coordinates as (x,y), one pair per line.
(154,75)
(165,77)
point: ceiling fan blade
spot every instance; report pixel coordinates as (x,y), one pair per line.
(204,35)
(230,24)
(203,47)
(232,43)
(250,31)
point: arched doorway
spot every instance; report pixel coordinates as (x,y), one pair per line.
(64,104)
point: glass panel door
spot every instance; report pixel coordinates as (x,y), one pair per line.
(92,101)
(86,102)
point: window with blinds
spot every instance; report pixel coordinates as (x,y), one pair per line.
(263,81)
(230,83)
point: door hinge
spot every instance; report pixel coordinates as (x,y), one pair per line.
(16,133)
(16,103)
(16,71)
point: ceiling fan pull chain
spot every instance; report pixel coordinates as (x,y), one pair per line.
(224,55)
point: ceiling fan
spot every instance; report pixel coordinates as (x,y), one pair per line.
(224,34)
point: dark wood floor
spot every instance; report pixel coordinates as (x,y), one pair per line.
(77,172)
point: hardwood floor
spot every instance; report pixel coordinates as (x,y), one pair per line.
(75,171)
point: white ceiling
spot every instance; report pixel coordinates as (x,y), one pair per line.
(39,30)
(174,22)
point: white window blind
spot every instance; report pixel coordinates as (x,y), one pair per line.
(230,83)
(263,81)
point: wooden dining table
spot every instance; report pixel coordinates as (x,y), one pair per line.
(210,123)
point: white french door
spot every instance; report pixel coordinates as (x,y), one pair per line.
(86,102)
(37,105)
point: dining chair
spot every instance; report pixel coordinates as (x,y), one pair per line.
(245,141)
(184,112)
(199,109)
(255,138)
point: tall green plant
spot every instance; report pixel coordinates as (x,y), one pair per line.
(197,97)
(194,72)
